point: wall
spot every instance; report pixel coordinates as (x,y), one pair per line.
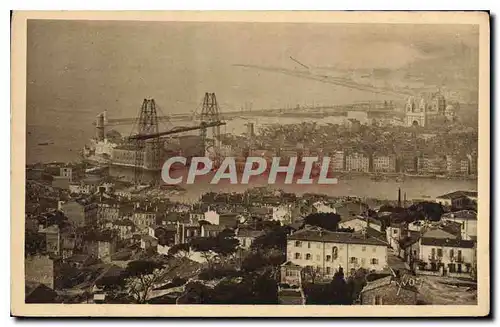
(426,251)
(212,217)
(319,251)
(75,213)
(358,225)
(40,269)
(389,295)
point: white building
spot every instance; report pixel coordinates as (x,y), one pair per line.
(357,162)
(360,223)
(212,217)
(324,251)
(447,255)
(321,207)
(283,213)
(337,161)
(467,220)
(247,236)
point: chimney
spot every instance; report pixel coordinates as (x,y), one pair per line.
(399,197)
(404,201)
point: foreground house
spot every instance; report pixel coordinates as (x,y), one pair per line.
(389,291)
(457,199)
(324,252)
(446,256)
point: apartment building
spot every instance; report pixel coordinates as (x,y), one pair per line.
(337,161)
(447,255)
(325,252)
(384,163)
(357,162)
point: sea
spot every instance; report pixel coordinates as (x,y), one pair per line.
(65,138)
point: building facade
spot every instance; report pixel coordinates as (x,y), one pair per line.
(467,220)
(80,212)
(384,163)
(326,252)
(357,162)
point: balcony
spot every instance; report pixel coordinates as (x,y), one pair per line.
(456,259)
(433,258)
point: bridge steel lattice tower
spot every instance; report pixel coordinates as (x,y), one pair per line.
(147,124)
(210,113)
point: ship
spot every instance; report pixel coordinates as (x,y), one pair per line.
(45,143)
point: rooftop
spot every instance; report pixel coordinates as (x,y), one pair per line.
(454,243)
(245,232)
(383,282)
(458,194)
(322,235)
(462,214)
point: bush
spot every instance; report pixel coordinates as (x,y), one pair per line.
(218,273)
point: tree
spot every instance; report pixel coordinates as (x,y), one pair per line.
(427,210)
(355,283)
(311,274)
(140,277)
(340,291)
(206,246)
(225,243)
(34,242)
(329,221)
(253,262)
(181,250)
(195,293)
(275,238)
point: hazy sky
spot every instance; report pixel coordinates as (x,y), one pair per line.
(87,66)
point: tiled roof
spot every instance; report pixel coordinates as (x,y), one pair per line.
(378,283)
(458,194)
(462,214)
(371,220)
(334,237)
(213,227)
(386,281)
(439,233)
(245,232)
(455,243)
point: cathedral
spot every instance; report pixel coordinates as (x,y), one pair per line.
(426,111)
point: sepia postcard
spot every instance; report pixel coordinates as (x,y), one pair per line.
(239,164)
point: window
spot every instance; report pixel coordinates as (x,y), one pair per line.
(308,245)
(363,261)
(308,256)
(374,261)
(451,253)
(328,258)
(298,244)
(374,249)
(297,255)
(459,256)
(318,245)
(394,231)
(377,300)
(335,252)
(318,257)
(354,260)
(363,248)
(440,252)
(318,269)
(328,270)
(463,225)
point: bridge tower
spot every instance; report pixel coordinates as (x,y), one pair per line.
(147,124)
(210,113)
